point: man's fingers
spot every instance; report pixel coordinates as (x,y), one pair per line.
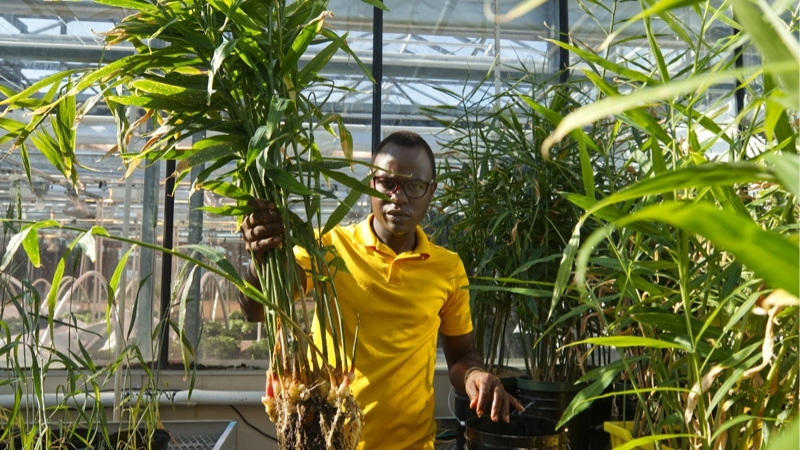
(265,212)
(264,231)
(264,216)
(499,404)
(513,402)
(260,218)
(262,245)
(485,394)
(260,203)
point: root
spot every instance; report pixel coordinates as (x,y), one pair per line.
(315,418)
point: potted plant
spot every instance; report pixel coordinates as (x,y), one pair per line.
(501,211)
(693,266)
(234,71)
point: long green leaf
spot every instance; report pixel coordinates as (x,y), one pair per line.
(787,167)
(607,64)
(302,41)
(343,45)
(776,44)
(643,442)
(637,117)
(214,148)
(220,54)
(311,70)
(172,92)
(224,189)
(288,182)
(674,323)
(230,211)
(376,4)
(346,138)
(771,256)
(138,5)
(602,378)
(515,290)
(216,257)
(262,138)
(615,105)
(152,102)
(565,267)
(704,175)
(629,341)
(608,213)
(657,9)
(555,118)
(343,208)
(27,238)
(38,86)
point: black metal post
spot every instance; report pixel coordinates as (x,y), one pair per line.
(196,202)
(166,266)
(738,90)
(377,74)
(563,33)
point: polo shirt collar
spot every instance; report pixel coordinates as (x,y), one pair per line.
(365,237)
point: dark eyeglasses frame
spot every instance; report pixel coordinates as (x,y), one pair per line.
(399,183)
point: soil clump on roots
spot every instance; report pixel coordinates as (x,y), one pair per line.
(316,419)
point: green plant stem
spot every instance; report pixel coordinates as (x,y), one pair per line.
(696,377)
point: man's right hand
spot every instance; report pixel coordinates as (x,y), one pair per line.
(263,229)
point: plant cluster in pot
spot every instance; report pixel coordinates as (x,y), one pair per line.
(693,268)
(229,76)
(501,211)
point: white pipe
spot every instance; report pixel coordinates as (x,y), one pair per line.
(171,398)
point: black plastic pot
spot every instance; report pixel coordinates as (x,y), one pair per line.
(623,406)
(522,433)
(60,438)
(463,413)
(550,400)
(137,440)
(7,442)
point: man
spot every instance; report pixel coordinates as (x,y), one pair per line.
(406,292)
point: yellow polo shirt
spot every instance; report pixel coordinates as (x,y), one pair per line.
(403,301)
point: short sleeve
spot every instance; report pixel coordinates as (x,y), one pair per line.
(455,314)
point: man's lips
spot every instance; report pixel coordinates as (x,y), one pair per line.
(397,214)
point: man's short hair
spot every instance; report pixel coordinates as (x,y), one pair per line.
(407,139)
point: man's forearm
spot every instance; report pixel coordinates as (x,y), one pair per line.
(252,310)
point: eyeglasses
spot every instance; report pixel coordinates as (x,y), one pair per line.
(412,188)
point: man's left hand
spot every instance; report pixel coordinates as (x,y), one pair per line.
(486,393)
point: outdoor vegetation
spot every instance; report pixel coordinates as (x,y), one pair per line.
(629,225)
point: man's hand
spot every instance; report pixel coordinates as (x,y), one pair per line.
(263,229)
(486,392)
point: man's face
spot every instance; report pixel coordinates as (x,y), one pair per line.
(399,216)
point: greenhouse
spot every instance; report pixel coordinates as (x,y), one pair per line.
(618,179)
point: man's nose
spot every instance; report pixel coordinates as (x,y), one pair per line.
(399,196)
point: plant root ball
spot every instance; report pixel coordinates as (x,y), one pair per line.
(313,422)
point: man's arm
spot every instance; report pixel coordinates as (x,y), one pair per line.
(467,375)
(252,310)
